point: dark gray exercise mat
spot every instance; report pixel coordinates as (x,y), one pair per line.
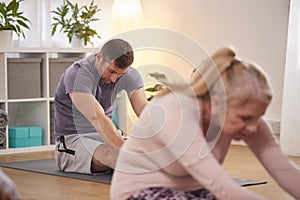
(48,166)
(246,182)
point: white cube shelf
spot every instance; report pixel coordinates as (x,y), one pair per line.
(31,103)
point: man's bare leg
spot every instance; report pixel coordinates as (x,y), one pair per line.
(104,158)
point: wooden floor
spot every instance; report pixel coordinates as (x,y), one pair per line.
(239,163)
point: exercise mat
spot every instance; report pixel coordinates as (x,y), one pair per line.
(48,166)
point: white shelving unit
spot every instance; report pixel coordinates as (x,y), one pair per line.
(34,111)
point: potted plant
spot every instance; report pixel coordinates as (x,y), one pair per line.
(11,20)
(75,21)
(153,90)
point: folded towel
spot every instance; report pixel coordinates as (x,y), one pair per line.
(2,139)
(3,124)
(3,118)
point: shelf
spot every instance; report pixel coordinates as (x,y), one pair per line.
(27,149)
(28,79)
(2,76)
(47,50)
(26,100)
(52,123)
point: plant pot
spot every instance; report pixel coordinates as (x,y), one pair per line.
(6,38)
(76,42)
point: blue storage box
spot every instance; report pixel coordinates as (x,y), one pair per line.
(18,137)
(35,136)
(25,136)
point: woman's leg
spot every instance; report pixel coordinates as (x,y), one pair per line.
(170,193)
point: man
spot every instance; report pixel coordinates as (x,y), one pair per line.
(84,105)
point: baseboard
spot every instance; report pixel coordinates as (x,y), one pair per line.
(275,125)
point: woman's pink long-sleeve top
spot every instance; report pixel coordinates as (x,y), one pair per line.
(167,148)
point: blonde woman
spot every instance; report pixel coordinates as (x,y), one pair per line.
(182,137)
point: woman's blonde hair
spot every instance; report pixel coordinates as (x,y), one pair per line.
(237,77)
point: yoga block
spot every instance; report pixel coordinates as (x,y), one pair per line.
(24,78)
(18,137)
(25,136)
(35,136)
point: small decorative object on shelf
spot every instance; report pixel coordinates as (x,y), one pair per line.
(75,21)
(11,20)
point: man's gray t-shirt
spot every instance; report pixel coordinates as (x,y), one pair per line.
(82,77)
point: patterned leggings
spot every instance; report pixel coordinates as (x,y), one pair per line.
(160,193)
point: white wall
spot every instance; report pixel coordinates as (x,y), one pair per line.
(256,28)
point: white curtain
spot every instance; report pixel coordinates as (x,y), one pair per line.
(290,122)
(127,15)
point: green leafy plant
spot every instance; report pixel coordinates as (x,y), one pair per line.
(75,20)
(12,19)
(153,90)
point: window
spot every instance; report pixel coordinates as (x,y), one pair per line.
(39,35)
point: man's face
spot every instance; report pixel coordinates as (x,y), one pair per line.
(111,72)
(108,71)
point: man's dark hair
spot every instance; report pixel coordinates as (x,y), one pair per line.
(119,51)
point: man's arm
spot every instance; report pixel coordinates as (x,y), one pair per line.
(138,100)
(92,110)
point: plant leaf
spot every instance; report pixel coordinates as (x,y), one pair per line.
(11,5)
(54,26)
(157,75)
(23,24)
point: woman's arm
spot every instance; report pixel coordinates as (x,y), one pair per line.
(265,147)
(210,174)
